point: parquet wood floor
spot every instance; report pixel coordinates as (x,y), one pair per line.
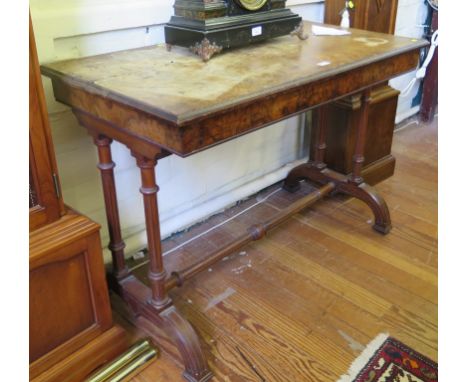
(301,304)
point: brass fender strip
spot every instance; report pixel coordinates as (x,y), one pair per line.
(125,364)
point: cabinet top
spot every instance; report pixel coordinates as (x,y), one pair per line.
(178,87)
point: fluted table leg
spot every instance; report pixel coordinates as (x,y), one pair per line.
(358,157)
(106,167)
(153,302)
(156,274)
(317,151)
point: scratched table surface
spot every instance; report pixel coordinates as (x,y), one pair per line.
(179,87)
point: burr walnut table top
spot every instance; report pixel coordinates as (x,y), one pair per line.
(174,100)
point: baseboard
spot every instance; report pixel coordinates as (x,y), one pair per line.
(406,114)
(373,174)
(204,210)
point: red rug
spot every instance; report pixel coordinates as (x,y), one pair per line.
(388,360)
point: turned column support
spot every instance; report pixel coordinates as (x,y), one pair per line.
(317,151)
(358,157)
(116,244)
(315,170)
(156,274)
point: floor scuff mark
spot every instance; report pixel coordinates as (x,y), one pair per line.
(251,365)
(242,268)
(353,344)
(226,258)
(220,297)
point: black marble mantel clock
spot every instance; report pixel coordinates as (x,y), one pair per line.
(208,26)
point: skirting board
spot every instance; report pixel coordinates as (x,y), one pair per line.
(203,211)
(181,221)
(404,115)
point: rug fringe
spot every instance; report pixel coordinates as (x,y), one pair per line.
(363,358)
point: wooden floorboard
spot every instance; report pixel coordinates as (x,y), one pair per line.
(301,304)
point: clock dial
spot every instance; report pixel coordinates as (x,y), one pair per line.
(251,5)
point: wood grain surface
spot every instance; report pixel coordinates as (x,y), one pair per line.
(301,304)
(179,86)
(175,101)
(69,303)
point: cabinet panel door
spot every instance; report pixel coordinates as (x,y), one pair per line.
(68,297)
(66,283)
(372,15)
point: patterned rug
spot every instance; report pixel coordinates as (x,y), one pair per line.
(388,360)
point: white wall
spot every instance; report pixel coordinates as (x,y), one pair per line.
(192,188)
(411,16)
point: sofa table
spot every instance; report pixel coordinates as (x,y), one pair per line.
(159,102)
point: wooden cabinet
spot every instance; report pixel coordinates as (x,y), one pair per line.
(341,118)
(45,202)
(70,318)
(371,15)
(69,308)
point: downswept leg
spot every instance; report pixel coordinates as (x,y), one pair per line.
(316,171)
(158,306)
